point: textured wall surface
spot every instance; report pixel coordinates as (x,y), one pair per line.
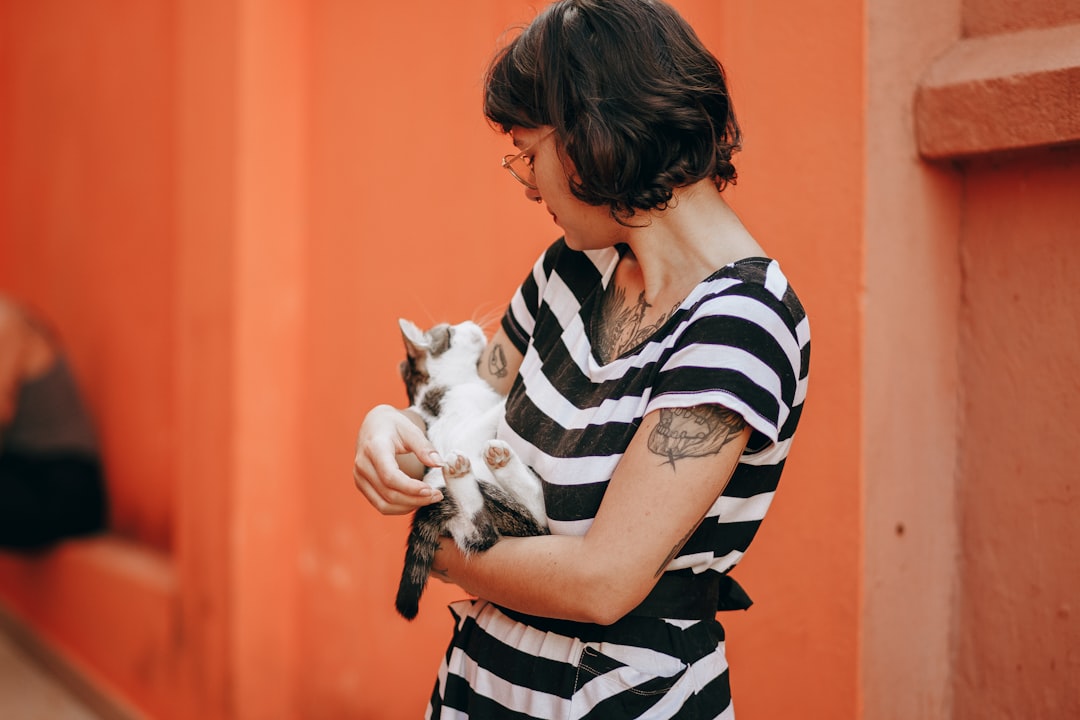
(1019,489)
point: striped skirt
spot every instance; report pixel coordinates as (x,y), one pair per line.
(502,664)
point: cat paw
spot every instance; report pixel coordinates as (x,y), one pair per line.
(457,466)
(497,454)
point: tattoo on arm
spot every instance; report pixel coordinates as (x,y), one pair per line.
(440,573)
(694,432)
(496,361)
(674,551)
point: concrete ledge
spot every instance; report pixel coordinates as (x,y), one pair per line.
(58,671)
(100,614)
(89,561)
(1001,93)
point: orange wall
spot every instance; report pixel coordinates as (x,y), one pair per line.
(970,346)
(800,194)
(1019,491)
(468,228)
(88,231)
(908,372)
(226,205)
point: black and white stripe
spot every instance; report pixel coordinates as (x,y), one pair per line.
(741,340)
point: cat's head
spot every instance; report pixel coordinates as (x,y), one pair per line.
(444,355)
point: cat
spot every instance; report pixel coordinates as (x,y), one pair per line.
(487,490)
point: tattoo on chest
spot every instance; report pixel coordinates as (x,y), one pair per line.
(623,325)
(694,432)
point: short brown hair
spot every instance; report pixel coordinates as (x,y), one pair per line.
(638,103)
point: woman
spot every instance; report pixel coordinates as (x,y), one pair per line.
(51,484)
(655,363)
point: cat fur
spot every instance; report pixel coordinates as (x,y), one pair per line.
(487,490)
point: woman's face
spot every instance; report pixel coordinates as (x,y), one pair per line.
(586,227)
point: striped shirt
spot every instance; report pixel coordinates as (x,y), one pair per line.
(740,339)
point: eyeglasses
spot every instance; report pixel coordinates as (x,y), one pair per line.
(520,165)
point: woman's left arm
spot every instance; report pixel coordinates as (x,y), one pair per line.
(676,466)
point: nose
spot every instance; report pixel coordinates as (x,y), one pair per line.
(533,194)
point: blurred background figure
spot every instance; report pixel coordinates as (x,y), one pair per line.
(51,484)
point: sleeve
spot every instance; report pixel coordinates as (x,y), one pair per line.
(739,349)
(520,317)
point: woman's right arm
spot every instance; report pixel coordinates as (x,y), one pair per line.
(391,452)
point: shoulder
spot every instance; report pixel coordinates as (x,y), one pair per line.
(764,278)
(746,317)
(754,288)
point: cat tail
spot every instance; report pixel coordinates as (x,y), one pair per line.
(419,555)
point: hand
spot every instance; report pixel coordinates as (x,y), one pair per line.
(385,434)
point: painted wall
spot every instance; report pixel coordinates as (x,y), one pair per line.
(909,374)
(226,205)
(88,231)
(468,227)
(971,332)
(1019,489)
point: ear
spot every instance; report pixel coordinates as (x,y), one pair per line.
(416,342)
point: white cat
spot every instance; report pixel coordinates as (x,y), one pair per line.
(487,490)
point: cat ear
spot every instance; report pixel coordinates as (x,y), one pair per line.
(416,343)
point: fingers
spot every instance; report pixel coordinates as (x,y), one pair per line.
(415,441)
(386,437)
(386,487)
(390,501)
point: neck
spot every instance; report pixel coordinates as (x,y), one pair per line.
(680,246)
